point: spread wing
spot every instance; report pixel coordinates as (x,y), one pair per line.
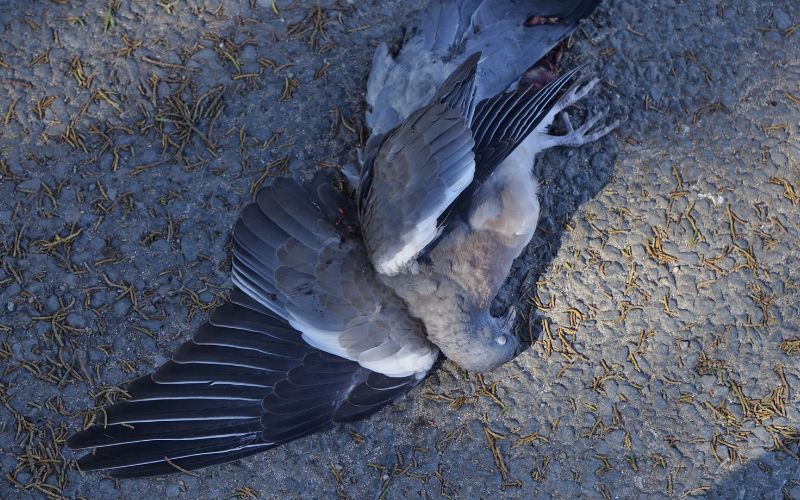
(297,253)
(245,383)
(418,170)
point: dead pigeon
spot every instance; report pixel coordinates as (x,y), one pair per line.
(339,307)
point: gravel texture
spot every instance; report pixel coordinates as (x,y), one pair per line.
(662,285)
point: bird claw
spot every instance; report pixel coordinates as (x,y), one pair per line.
(575,137)
(582,135)
(575,94)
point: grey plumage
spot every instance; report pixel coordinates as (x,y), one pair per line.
(444,34)
(340,306)
(290,256)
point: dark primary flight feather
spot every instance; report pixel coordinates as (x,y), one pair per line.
(245,383)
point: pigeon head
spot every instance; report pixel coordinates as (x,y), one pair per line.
(490,342)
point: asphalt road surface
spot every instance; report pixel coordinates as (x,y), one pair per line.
(661,291)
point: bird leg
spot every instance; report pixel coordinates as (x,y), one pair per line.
(573,137)
(574,95)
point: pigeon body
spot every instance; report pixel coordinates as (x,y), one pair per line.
(341,306)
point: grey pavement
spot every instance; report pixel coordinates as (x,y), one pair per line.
(661,291)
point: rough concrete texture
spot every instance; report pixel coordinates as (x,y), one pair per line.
(662,284)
